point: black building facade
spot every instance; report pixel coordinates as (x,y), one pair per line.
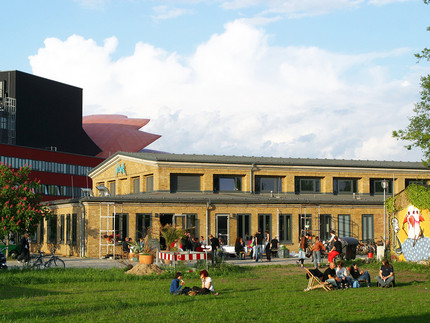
(41,113)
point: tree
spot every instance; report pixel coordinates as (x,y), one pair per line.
(418,130)
(20,208)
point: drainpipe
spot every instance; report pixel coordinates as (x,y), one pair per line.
(208,205)
(251,178)
(82,231)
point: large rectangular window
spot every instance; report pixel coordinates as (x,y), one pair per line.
(136,185)
(344,225)
(222,227)
(268,184)
(244,226)
(305,224)
(367,227)
(68,229)
(325,226)
(307,185)
(143,223)
(226,183)
(265,223)
(184,183)
(112,188)
(285,228)
(422,182)
(62,228)
(52,229)
(186,222)
(74,228)
(121,225)
(344,186)
(149,184)
(376,187)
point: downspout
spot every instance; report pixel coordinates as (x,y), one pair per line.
(82,231)
(251,179)
(208,204)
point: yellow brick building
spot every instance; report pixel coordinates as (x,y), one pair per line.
(228,196)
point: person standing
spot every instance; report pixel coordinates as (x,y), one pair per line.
(336,250)
(268,248)
(25,249)
(258,241)
(215,246)
(302,249)
(316,252)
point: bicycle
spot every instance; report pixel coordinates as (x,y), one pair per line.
(52,262)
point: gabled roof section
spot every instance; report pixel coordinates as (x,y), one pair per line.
(260,161)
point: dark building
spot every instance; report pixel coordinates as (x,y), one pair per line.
(41,113)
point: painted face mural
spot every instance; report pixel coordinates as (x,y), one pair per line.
(410,239)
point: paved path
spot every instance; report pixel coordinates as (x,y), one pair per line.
(72,262)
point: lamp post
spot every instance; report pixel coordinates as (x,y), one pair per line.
(384,184)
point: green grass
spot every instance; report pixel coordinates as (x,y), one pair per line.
(266,293)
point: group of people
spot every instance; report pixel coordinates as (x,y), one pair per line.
(260,244)
(177,286)
(341,277)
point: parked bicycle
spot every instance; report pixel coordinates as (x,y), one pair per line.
(52,262)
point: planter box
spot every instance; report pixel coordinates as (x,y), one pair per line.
(283,253)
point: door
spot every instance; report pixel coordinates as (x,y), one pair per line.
(222,228)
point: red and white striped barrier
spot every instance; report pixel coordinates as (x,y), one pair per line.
(181,256)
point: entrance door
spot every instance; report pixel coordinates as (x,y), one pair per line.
(244,226)
(165,218)
(222,227)
(325,226)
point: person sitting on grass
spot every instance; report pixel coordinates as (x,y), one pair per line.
(342,274)
(330,276)
(207,284)
(386,274)
(359,275)
(177,284)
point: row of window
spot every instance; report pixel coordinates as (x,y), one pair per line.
(60,190)
(46,166)
(62,232)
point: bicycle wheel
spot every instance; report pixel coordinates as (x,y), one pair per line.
(55,263)
(38,264)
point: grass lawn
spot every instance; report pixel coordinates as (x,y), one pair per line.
(264,294)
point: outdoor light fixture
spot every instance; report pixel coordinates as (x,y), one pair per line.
(87,192)
(103,190)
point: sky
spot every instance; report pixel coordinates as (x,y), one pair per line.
(280,78)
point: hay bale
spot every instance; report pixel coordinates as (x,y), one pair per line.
(142,269)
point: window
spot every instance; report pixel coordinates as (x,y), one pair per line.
(344,186)
(376,186)
(184,183)
(265,223)
(222,227)
(112,188)
(223,183)
(41,230)
(3,123)
(136,185)
(307,185)
(325,226)
(268,184)
(68,229)
(74,228)
(285,228)
(121,225)
(143,222)
(186,222)
(62,228)
(367,225)
(422,182)
(244,226)
(344,225)
(149,184)
(305,224)
(52,229)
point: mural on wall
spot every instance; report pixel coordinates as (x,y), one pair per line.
(411,241)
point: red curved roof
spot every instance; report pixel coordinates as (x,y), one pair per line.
(116,132)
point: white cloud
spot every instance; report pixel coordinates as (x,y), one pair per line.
(237,94)
(165,12)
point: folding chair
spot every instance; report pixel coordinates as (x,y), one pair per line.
(314,282)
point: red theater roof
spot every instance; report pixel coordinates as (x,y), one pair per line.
(116,132)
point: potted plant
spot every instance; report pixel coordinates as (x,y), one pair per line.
(149,248)
(171,233)
(283,252)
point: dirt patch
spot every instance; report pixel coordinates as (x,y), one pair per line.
(142,269)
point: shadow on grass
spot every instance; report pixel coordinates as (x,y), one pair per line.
(403,318)
(10,292)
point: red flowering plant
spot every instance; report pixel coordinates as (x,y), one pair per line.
(111,237)
(20,208)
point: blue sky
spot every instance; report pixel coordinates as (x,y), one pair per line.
(293,78)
